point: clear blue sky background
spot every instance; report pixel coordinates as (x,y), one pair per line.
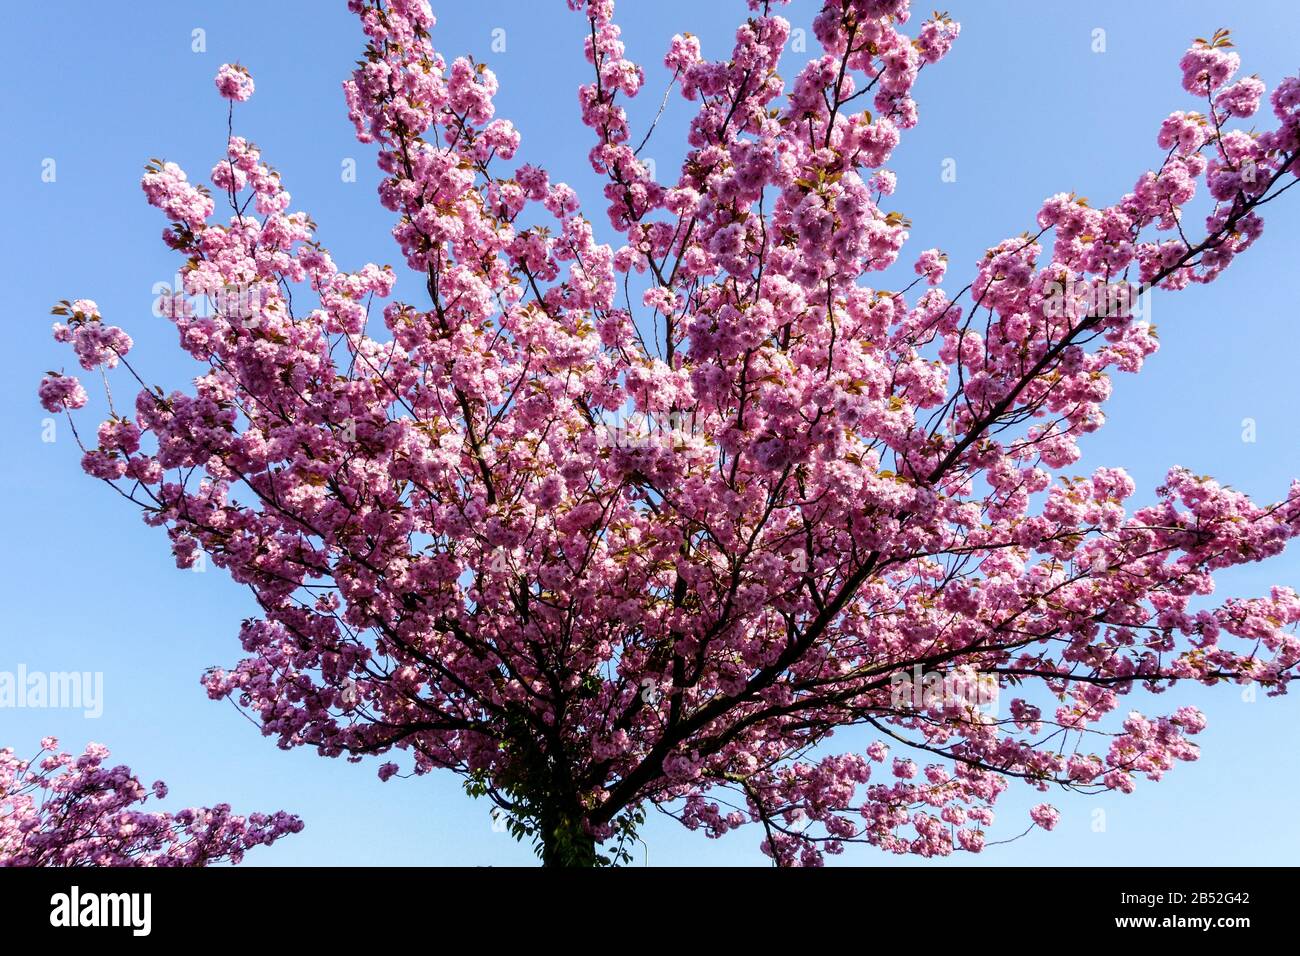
(1022,104)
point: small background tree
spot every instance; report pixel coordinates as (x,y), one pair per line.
(57,809)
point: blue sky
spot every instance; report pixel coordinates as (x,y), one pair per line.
(1023,105)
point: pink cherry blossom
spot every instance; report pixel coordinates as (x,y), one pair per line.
(1045,815)
(932,264)
(234,82)
(58,392)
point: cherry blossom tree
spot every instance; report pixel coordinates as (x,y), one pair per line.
(57,809)
(686,520)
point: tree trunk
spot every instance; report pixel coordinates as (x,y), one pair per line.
(566,843)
